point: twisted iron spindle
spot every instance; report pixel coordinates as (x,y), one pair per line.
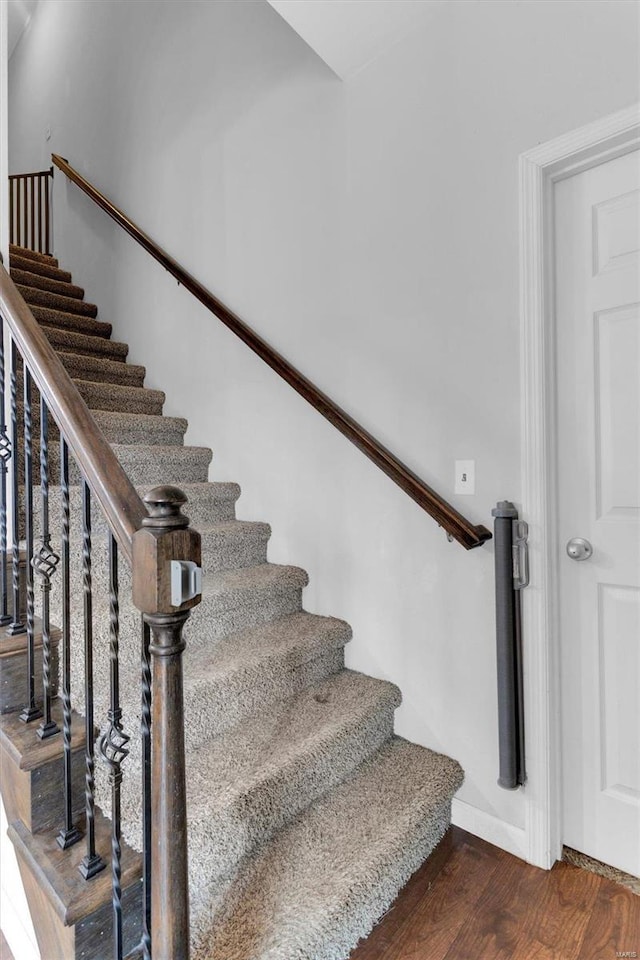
(45,561)
(113,747)
(92,862)
(5,456)
(146,790)
(17,626)
(31,711)
(69,834)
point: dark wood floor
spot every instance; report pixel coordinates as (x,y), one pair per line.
(472,901)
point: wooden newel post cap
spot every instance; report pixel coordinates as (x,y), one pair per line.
(164,506)
(165,535)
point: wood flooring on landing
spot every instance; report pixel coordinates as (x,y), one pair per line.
(473,901)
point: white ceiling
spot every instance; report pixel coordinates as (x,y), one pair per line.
(19,14)
(348,34)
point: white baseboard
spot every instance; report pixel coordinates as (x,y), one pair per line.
(487,827)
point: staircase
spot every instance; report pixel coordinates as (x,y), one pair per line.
(306,814)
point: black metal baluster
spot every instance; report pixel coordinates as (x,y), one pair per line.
(69,834)
(5,456)
(146,791)
(45,561)
(113,747)
(31,711)
(16,626)
(92,862)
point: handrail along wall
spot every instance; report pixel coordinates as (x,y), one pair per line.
(456,525)
(147,534)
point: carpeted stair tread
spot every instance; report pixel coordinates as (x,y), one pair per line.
(31,254)
(28,254)
(236,600)
(102,369)
(115,397)
(71,321)
(140,428)
(159,463)
(44,298)
(324,880)
(246,672)
(246,784)
(71,341)
(41,268)
(231,544)
(120,397)
(29,279)
(229,588)
(206,501)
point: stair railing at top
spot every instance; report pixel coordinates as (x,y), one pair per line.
(30,210)
(456,526)
(150,534)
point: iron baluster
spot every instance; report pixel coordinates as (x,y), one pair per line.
(92,862)
(113,747)
(146,791)
(69,834)
(44,562)
(31,711)
(5,456)
(16,626)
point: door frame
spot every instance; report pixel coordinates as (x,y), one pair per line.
(540,169)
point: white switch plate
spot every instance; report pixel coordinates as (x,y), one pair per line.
(465,482)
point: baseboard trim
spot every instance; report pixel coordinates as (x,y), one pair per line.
(487,827)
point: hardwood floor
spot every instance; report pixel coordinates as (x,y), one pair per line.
(5,952)
(472,901)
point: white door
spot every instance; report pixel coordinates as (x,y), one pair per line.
(597,263)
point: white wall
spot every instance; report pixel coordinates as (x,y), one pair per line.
(369,230)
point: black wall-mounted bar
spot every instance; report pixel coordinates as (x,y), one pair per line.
(512,575)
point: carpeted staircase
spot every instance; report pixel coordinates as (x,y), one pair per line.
(306,813)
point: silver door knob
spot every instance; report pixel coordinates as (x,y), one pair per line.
(579,549)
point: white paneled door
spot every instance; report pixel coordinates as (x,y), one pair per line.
(597,264)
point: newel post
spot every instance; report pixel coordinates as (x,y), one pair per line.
(165,537)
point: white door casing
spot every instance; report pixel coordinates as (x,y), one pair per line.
(540,169)
(597,319)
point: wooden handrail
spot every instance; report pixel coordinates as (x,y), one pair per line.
(121,505)
(457,526)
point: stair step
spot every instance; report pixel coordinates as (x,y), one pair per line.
(248,783)
(72,897)
(324,880)
(235,600)
(120,398)
(43,269)
(29,279)
(136,428)
(207,502)
(28,254)
(232,544)
(102,370)
(32,771)
(114,397)
(44,298)
(162,464)
(71,321)
(251,670)
(13,661)
(70,341)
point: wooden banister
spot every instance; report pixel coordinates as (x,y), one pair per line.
(118,498)
(453,522)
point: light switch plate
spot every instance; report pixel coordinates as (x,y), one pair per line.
(465,480)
